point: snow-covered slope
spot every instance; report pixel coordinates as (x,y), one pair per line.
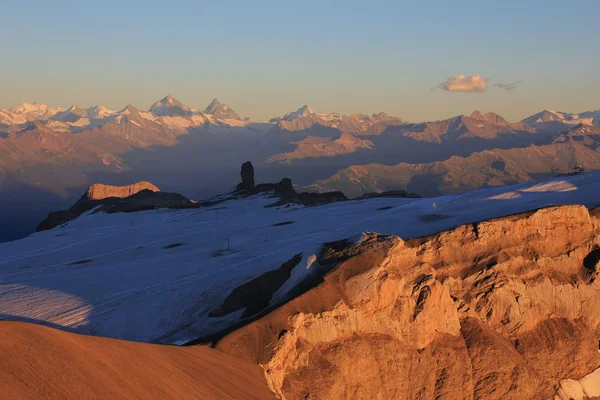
(156,275)
(549,117)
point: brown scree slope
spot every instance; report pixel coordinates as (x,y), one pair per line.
(38,362)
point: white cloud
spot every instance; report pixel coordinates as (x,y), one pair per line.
(509,87)
(465,84)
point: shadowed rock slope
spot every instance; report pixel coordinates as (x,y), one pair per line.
(502,309)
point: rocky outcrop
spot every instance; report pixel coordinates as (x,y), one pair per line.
(288,195)
(284,189)
(247,175)
(113,199)
(390,193)
(502,309)
(100,191)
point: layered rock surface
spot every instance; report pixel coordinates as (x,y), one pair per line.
(502,309)
(100,191)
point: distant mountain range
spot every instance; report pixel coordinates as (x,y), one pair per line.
(567,153)
(47,155)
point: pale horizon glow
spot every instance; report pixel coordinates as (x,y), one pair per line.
(265,59)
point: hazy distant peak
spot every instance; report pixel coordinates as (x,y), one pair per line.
(380,116)
(495,119)
(99,111)
(490,117)
(129,109)
(171,107)
(71,114)
(33,111)
(76,110)
(477,115)
(582,129)
(220,111)
(214,104)
(299,113)
(28,107)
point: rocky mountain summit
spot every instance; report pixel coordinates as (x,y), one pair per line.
(220,111)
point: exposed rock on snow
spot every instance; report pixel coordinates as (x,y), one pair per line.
(113,199)
(247,174)
(505,308)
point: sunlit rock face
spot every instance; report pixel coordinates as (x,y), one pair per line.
(502,309)
(100,191)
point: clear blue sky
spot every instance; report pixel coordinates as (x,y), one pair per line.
(265,58)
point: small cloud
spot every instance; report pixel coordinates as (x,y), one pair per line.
(509,87)
(465,84)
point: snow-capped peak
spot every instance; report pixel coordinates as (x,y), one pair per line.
(128,110)
(24,108)
(214,102)
(220,111)
(299,113)
(34,111)
(75,109)
(99,111)
(169,106)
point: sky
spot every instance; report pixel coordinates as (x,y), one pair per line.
(419,60)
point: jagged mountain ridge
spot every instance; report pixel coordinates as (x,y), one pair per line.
(490,126)
(304,119)
(130,144)
(76,119)
(576,148)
